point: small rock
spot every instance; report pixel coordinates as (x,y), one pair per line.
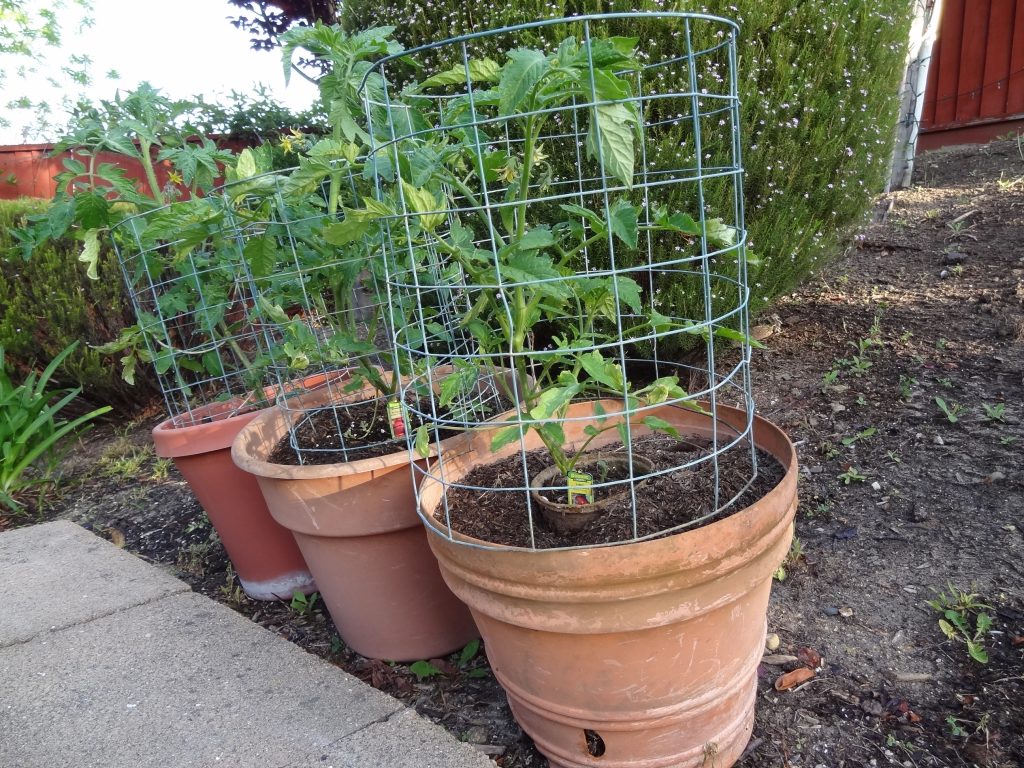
(813,421)
(477,734)
(954,257)
(838,407)
(938,440)
(846,613)
(944,274)
(872,707)
(830,611)
(995,477)
(771,642)
(899,637)
(876,485)
(795,392)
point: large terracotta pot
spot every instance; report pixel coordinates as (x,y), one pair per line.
(357,527)
(639,654)
(268,563)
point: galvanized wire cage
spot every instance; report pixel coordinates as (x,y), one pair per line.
(537,225)
(319,300)
(192,295)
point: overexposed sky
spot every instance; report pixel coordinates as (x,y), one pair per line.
(182,47)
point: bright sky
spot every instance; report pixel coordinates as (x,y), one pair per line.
(182,47)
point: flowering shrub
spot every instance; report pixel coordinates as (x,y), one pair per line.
(818,89)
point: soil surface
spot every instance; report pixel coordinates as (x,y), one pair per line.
(898,373)
(664,502)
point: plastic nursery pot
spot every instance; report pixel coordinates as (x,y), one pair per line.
(268,563)
(637,654)
(356,524)
(572,517)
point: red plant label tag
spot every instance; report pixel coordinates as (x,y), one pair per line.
(395,419)
(581,488)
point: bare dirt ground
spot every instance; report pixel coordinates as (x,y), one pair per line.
(902,498)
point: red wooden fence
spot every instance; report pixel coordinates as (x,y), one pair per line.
(976,80)
(28,170)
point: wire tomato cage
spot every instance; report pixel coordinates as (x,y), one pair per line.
(566,270)
(319,303)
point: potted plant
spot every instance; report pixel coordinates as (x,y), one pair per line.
(331,460)
(632,636)
(189,290)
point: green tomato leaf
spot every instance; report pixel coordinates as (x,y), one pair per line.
(615,123)
(623,219)
(720,233)
(660,425)
(603,371)
(90,254)
(261,254)
(92,210)
(348,230)
(536,238)
(504,436)
(479,71)
(522,71)
(422,443)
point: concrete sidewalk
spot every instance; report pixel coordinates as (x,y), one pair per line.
(108,661)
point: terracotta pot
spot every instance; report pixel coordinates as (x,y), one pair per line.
(639,654)
(264,555)
(357,527)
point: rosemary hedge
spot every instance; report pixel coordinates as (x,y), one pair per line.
(819,83)
(47,303)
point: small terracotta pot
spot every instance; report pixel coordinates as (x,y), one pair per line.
(639,654)
(264,555)
(357,527)
(572,517)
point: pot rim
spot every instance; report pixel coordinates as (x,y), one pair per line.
(259,465)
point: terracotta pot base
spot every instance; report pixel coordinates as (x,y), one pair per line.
(357,527)
(268,564)
(638,655)
(283,587)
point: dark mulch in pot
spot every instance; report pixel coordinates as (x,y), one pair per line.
(663,502)
(357,431)
(339,435)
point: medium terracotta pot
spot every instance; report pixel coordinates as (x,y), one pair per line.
(268,563)
(357,527)
(638,654)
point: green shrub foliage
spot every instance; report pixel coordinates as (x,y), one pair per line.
(818,83)
(48,303)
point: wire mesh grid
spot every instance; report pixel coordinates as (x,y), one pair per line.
(537,228)
(191,293)
(319,299)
